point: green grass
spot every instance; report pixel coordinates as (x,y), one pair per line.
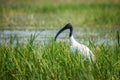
(54,61)
(86,14)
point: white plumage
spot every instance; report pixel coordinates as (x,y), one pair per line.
(75,46)
(82,49)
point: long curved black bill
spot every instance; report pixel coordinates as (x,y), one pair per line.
(67,26)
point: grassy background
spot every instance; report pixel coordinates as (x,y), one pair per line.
(54,61)
(56,13)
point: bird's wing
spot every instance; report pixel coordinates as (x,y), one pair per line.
(82,49)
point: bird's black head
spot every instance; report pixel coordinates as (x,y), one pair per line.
(67,26)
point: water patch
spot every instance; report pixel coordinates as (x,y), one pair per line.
(81,34)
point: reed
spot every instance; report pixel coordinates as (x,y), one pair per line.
(54,61)
(92,14)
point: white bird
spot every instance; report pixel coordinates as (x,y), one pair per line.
(75,46)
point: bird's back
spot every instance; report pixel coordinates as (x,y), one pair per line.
(82,49)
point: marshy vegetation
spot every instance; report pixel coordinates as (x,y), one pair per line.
(53,60)
(53,13)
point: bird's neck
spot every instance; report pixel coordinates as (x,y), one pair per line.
(71,31)
(72,40)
